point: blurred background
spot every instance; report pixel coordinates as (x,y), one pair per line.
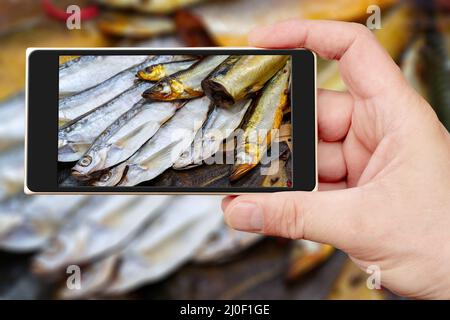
(177,247)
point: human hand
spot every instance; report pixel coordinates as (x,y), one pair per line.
(383,163)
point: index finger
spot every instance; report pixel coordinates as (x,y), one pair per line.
(366,68)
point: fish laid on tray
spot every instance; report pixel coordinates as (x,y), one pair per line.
(76,137)
(125,136)
(104,225)
(239,77)
(185,84)
(76,105)
(87,71)
(163,149)
(159,71)
(266,117)
(220,124)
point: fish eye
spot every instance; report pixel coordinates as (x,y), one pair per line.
(105,177)
(87,160)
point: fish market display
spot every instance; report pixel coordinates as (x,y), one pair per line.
(75,138)
(125,136)
(185,84)
(220,125)
(266,116)
(160,152)
(103,225)
(12,121)
(159,71)
(239,77)
(41,216)
(136,27)
(128,140)
(87,71)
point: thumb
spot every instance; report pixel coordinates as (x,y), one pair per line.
(334,217)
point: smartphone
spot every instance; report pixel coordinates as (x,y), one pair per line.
(167,121)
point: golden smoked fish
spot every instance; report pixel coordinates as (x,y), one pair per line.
(266,117)
(239,77)
(185,84)
(159,71)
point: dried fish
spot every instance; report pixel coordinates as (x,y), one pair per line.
(266,117)
(185,84)
(134,26)
(224,244)
(104,225)
(75,138)
(159,71)
(219,126)
(163,149)
(74,106)
(239,77)
(125,136)
(12,121)
(167,243)
(87,71)
(41,217)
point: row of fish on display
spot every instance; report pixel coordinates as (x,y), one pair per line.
(148,236)
(122,131)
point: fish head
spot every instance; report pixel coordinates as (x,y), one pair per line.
(111,177)
(152,73)
(168,89)
(88,163)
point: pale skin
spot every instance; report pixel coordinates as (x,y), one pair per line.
(383,164)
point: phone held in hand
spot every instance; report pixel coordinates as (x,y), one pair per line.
(168,121)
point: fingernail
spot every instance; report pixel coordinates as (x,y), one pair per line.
(246,216)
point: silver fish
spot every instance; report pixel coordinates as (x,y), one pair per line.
(75,138)
(41,217)
(167,243)
(125,136)
(224,244)
(219,126)
(11,172)
(12,121)
(107,223)
(87,71)
(74,106)
(163,149)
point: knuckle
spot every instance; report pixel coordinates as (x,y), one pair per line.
(361,30)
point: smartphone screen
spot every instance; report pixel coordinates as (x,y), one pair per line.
(187,121)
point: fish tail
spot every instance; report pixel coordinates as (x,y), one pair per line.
(240,170)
